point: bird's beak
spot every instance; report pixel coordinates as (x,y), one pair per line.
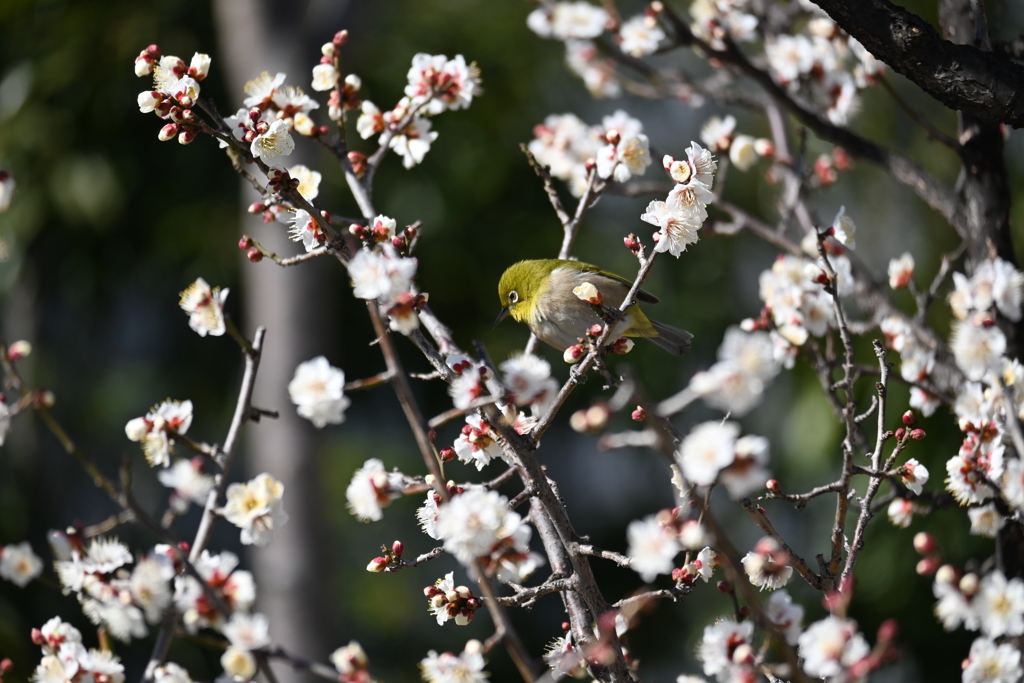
(501,316)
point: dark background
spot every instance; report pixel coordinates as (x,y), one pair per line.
(108,225)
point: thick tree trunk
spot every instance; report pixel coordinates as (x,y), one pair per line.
(256,36)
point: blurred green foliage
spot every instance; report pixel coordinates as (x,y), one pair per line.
(108,225)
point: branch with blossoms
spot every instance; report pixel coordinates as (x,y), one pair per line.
(806,75)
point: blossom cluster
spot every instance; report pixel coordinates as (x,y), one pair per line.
(684,211)
(747,362)
(435,84)
(380,273)
(65,658)
(568,147)
(714,451)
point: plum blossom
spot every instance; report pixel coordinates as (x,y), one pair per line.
(999,605)
(306,230)
(767,565)
(205,307)
(566,20)
(261,89)
(318,390)
(477,444)
(720,645)
(189,483)
(381,275)
(325,77)
(991,662)
(640,36)
(473,522)
(372,488)
(901,271)
(830,646)
(467,667)
(708,449)
(18,564)
(275,142)
(652,547)
(529,382)
(441,83)
(255,508)
(309,180)
(155,430)
(786,615)
(986,520)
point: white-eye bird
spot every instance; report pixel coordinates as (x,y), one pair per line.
(540,294)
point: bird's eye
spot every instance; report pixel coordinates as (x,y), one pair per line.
(513,297)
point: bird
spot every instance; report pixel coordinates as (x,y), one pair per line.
(539,293)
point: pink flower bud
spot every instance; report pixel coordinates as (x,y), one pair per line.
(724,587)
(573,353)
(430,591)
(909,419)
(841,159)
(900,433)
(928,565)
(18,350)
(773,486)
(639,414)
(262,127)
(622,346)
(595,330)
(613,137)
(925,544)
(447,454)
(168,132)
(888,631)
(254,255)
(764,147)
(6,665)
(631,243)
(37,637)
(917,434)
(397,548)
(377,565)
(187,136)
(340,38)
(255,113)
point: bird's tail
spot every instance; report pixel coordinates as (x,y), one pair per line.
(672,339)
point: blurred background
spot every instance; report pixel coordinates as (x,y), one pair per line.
(108,225)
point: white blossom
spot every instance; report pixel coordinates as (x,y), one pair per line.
(652,548)
(205,307)
(318,390)
(18,564)
(255,508)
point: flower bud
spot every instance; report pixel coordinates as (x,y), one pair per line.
(358,161)
(574,353)
(909,419)
(773,486)
(168,132)
(947,574)
(44,398)
(578,421)
(447,454)
(340,38)
(927,566)
(597,416)
(377,565)
(925,544)
(631,242)
(327,49)
(254,255)
(639,414)
(37,637)
(18,350)
(622,346)
(187,136)
(595,330)
(917,434)
(724,587)
(969,584)
(900,433)
(743,654)
(397,548)
(764,147)
(238,663)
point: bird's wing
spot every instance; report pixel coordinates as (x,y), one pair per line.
(642,295)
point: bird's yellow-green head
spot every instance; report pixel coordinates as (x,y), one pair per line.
(521,285)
